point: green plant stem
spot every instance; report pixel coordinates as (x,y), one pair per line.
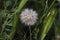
(14,4)
(48,23)
(30,32)
(45,13)
(25,36)
(16,17)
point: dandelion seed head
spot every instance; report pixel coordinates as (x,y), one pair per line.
(28,16)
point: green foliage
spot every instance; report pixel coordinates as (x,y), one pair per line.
(9,16)
(10,21)
(48,21)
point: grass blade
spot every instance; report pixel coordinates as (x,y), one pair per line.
(48,23)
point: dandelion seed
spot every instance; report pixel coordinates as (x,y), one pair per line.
(28,16)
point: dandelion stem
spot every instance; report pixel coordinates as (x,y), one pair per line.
(30,32)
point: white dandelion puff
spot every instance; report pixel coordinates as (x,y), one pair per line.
(28,16)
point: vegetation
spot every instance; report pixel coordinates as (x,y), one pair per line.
(45,28)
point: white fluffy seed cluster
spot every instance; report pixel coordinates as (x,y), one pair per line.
(28,16)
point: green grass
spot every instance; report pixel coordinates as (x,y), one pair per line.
(9,16)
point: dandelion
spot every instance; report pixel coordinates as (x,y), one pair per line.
(28,17)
